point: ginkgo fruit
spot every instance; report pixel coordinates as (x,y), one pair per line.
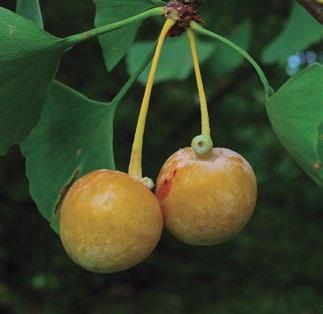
(206,201)
(109,221)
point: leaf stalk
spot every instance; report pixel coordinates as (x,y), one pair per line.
(267,88)
(78,38)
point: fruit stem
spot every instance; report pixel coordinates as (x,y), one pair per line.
(135,166)
(203,102)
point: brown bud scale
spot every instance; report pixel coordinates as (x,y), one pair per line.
(184,11)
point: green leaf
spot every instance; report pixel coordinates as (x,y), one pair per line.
(30,9)
(296,114)
(320,141)
(300,32)
(226,60)
(116,44)
(29,58)
(175,62)
(74,136)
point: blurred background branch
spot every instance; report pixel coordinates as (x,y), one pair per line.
(314,7)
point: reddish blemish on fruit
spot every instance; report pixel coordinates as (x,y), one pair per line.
(165,187)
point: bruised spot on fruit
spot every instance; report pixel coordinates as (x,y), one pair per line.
(165,187)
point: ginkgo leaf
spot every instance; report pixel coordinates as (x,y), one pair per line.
(74,136)
(29,58)
(116,44)
(296,114)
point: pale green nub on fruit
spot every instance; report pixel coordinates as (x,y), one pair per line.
(149,183)
(202,145)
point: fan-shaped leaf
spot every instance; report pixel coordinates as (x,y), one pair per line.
(116,44)
(73,137)
(296,114)
(28,61)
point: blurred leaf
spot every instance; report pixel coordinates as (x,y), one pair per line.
(300,32)
(30,9)
(73,137)
(116,44)
(296,114)
(29,58)
(226,60)
(175,62)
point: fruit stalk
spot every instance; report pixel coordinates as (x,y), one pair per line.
(203,102)
(135,166)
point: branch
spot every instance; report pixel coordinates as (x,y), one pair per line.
(314,7)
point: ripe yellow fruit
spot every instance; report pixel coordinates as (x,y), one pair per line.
(109,221)
(206,202)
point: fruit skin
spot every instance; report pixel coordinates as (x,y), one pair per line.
(206,202)
(109,221)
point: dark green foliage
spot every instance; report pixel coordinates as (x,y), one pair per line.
(28,61)
(115,45)
(73,137)
(296,114)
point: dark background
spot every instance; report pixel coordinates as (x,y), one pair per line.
(274,266)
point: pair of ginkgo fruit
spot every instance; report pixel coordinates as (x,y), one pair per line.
(111,221)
